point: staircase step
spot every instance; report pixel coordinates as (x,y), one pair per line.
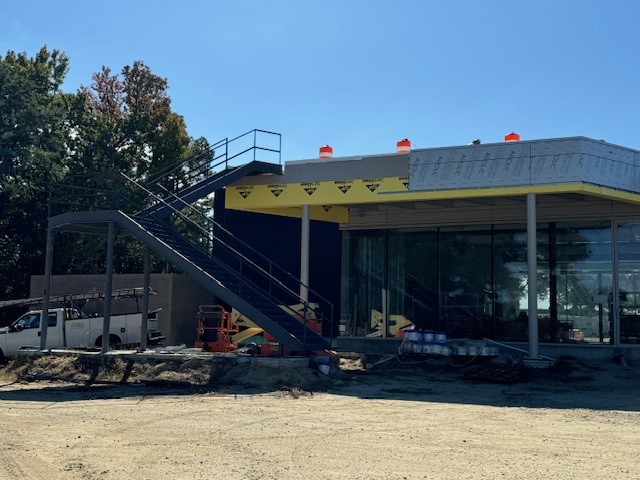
(218,267)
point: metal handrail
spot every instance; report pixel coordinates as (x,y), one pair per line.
(63,193)
(226,158)
(270,262)
(172,168)
(242,257)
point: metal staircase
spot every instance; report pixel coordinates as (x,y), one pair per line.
(231,270)
(211,184)
(255,299)
(196,180)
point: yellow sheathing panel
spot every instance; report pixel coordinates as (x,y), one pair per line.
(336,192)
(325,198)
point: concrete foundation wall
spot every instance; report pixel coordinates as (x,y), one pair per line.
(177,295)
(186,297)
(390,346)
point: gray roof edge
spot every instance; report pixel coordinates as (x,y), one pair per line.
(386,164)
(450,147)
(343,159)
(342,168)
(540,140)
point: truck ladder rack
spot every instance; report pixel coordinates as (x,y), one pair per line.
(134,293)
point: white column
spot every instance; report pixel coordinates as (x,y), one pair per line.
(532,277)
(304,253)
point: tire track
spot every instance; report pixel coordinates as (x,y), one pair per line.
(12,468)
(18,464)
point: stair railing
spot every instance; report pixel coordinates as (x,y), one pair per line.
(244,260)
(247,142)
(270,264)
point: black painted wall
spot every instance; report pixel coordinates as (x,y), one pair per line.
(278,238)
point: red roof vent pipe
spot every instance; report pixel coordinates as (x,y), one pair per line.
(403,146)
(512,137)
(326,152)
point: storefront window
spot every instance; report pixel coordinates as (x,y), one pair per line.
(413,280)
(363,281)
(510,283)
(465,282)
(628,283)
(473,282)
(582,271)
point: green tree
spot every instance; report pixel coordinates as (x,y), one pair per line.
(121,123)
(33,151)
(125,124)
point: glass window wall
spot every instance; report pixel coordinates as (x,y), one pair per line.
(413,280)
(466,309)
(510,320)
(472,282)
(581,266)
(628,283)
(363,282)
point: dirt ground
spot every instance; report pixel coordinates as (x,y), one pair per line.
(403,418)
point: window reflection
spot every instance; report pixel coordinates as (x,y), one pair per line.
(472,282)
(364,280)
(628,283)
(413,280)
(465,282)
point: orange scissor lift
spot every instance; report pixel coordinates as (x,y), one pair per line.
(216,331)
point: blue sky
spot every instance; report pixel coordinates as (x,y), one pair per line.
(362,74)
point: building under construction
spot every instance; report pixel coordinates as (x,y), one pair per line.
(533,243)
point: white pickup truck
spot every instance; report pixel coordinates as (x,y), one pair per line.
(68,328)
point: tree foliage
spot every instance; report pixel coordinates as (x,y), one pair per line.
(119,123)
(33,154)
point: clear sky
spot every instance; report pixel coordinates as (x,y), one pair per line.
(362,74)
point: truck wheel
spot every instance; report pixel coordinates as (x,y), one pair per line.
(2,359)
(114,342)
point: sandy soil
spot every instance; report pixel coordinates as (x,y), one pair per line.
(393,421)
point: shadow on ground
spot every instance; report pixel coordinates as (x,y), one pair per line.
(569,384)
(73,377)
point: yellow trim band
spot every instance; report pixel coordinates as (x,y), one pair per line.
(329,199)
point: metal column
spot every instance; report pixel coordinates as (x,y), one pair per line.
(615,301)
(304,254)
(145,300)
(44,318)
(532,277)
(108,291)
